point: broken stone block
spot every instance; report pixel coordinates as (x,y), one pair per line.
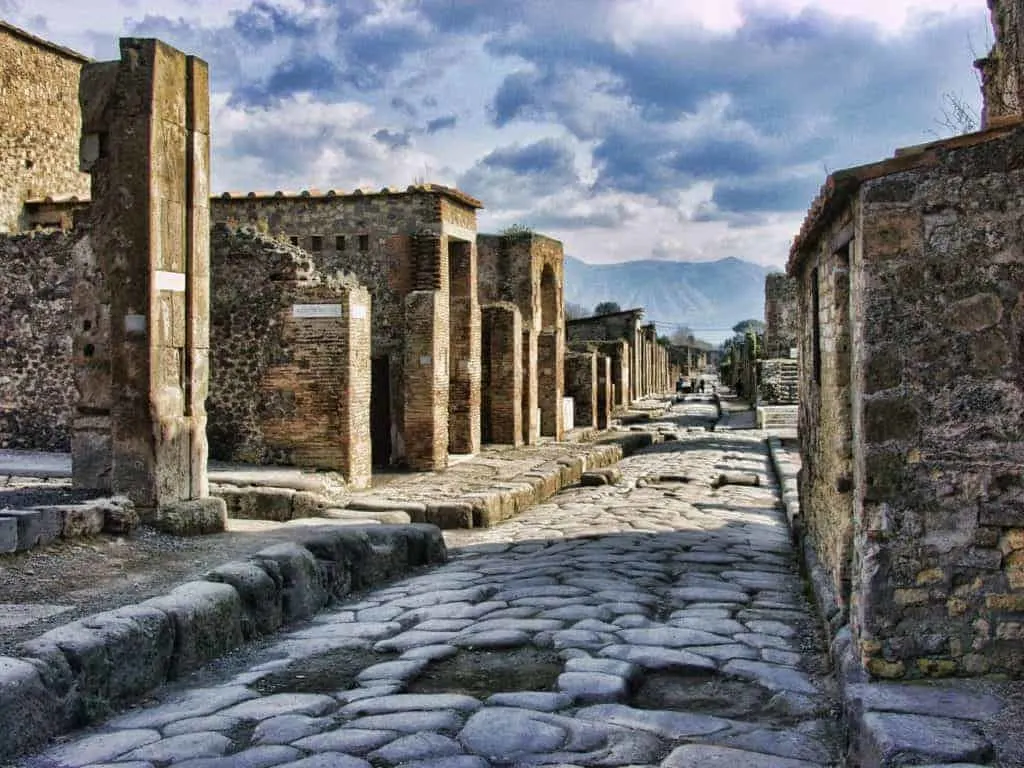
(416,510)
(306,504)
(36,527)
(192,518)
(295,569)
(27,708)
(256,502)
(120,516)
(8,535)
(79,519)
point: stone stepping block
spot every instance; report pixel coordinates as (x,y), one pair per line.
(895,739)
(707,756)
(602,476)
(738,478)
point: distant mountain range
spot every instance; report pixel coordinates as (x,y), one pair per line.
(708,296)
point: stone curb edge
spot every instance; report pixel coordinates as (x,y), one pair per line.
(76,674)
(866,748)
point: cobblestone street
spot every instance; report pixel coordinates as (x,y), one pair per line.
(657,621)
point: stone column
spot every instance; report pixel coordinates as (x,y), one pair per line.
(531,422)
(581,385)
(604,391)
(550,382)
(425,428)
(145,141)
(464,349)
(502,412)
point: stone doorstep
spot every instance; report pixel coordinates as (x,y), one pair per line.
(119,656)
(891,723)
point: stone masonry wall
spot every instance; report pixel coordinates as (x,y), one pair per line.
(826,477)
(781,315)
(939,297)
(40,123)
(581,380)
(1002,70)
(289,385)
(37,383)
(396,243)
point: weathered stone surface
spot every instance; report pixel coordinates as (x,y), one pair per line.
(295,569)
(193,517)
(28,709)
(261,596)
(207,621)
(891,739)
(8,535)
(36,526)
(101,747)
(707,756)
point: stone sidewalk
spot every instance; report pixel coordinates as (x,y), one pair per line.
(658,621)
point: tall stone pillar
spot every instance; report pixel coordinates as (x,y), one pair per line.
(604,391)
(426,380)
(146,144)
(501,412)
(581,384)
(531,420)
(550,382)
(464,349)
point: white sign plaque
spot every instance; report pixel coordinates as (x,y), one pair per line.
(170,281)
(316,310)
(358,312)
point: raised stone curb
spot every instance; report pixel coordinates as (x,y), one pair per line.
(889,724)
(493,501)
(77,673)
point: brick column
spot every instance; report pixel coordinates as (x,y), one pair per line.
(464,349)
(145,126)
(550,382)
(502,406)
(425,427)
(531,422)
(581,383)
(604,391)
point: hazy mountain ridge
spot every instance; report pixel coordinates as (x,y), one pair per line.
(711,295)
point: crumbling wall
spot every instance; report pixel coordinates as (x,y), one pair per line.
(581,384)
(778,381)
(37,384)
(781,315)
(40,122)
(501,412)
(1002,70)
(290,367)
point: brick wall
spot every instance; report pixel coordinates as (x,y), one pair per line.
(502,413)
(395,243)
(40,124)
(37,382)
(581,384)
(290,382)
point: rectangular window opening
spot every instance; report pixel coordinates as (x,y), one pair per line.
(316,243)
(364,242)
(816,326)
(339,243)
(294,240)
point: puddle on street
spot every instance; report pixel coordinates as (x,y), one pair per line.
(324,673)
(482,673)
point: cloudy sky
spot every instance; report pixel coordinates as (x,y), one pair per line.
(630,129)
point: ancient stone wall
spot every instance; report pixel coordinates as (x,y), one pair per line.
(37,383)
(290,359)
(397,244)
(781,315)
(620,325)
(40,123)
(528,271)
(605,391)
(581,384)
(939,297)
(825,397)
(501,349)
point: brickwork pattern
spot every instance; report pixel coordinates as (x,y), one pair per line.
(502,411)
(781,315)
(286,389)
(39,124)
(581,384)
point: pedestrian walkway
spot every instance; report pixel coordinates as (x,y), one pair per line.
(659,621)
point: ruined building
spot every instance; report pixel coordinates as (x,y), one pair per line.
(911,290)
(1002,71)
(526,271)
(778,370)
(416,252)
(622,337)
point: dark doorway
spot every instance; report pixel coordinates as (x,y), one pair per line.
(380,411)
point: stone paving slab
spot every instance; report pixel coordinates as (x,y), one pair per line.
(561,693)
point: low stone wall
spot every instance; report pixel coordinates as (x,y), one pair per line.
(778,381)
(71,676)
(37,387)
